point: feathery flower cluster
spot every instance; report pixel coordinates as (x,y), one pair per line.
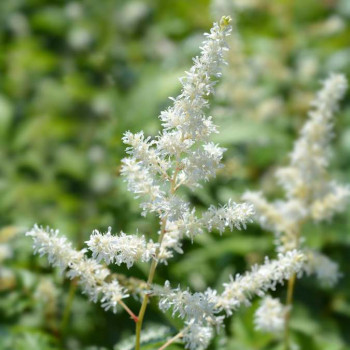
(197,337)
(270,316)
(196,307)
(181,155)
(306,177)
(92,276)
(202,310)
(120,249)
(310,194)
(260,279)
(326,270)
(231,215)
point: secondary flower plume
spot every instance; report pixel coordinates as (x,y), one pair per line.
(310,192)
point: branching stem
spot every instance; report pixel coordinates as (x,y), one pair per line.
(149,282)
(289,302)
(68,306)
(126,308)
(290,293)
(171,340)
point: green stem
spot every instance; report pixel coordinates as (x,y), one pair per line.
(289,302)
(290,293)
(68,308)
(149,282)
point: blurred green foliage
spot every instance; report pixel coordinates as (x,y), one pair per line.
(75,75)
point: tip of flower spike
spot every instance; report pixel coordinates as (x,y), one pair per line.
(225,21)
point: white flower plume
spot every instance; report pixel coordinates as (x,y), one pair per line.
(260,279)
(121,249)
(310,192)
(92,276)
(326,270)
(270,316)
(203,309)
(181,154)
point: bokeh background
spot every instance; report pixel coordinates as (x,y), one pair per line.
(74,75)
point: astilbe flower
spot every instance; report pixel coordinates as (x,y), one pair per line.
(326,270)
(180,155)
(311,194)
(121,249)
(92,276)
(270,316)
(203,310)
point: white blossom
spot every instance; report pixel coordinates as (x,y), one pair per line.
(231,215)
(201,164)
(260,279)
(306,176)
(196,336)
(197,307)
(171,242)
(201,310)
(120,249)
(310,191)
(270,316)
(92,276)
(140,180)
(186,115)
(181,153)
(326,270)
(334,200)
(112,293)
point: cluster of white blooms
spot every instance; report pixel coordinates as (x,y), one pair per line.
(120,249)
(182,147)
(181,154)
(326,270)
(333,200)
(196,307)
(310,193)
(260,279)
(196,336)
(201,310)
(306,177)
(270,316)
(280,216)
(230,215)
(92,276)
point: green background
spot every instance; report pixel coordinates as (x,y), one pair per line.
(75,75)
